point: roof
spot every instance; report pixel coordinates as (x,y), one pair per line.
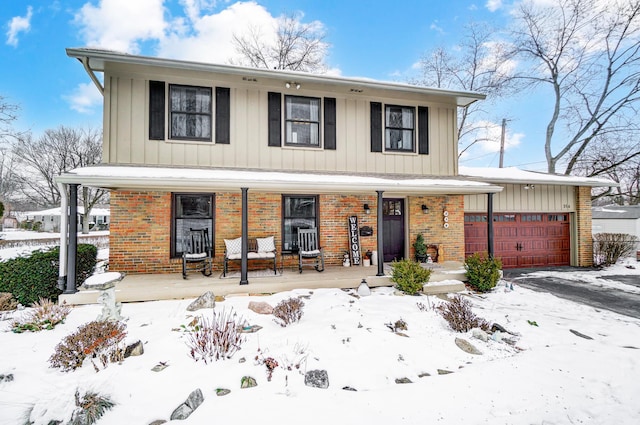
(230,179)
(513,175)
(623,212)
(56,211)
(95,60)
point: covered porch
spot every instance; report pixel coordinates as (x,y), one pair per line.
(154,287)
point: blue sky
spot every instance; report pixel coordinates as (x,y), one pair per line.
(375,39)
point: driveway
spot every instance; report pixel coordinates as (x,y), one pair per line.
(613,299)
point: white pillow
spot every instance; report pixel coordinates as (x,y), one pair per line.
(266,244)
(234,246)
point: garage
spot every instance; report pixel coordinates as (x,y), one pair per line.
(522,239)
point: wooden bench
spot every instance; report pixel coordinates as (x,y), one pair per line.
(257,249)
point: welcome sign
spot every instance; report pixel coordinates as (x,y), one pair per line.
(354,240)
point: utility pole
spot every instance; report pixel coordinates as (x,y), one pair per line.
(504,125)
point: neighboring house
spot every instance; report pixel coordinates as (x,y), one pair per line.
(50,219)
(254,152)
(617,219)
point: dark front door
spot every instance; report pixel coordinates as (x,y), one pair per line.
(393,226)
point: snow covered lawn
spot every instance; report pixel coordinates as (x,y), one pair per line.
(550,376)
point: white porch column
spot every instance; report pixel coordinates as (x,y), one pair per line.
(64,227)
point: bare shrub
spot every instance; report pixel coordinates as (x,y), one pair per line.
(7,301)
(457,312)
(608,248)
(45,315)
(288,311)
(94,340)
(218,338)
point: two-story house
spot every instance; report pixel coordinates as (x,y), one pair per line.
(251,152)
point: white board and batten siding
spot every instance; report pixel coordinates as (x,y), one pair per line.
(126,127)
(515,198)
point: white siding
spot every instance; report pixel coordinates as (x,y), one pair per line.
(514,198)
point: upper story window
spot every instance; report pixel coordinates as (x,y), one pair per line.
(190,112)
(302,121)
(399,128)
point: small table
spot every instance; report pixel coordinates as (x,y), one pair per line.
(106,284)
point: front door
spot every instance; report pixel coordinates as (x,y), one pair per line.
(393,229)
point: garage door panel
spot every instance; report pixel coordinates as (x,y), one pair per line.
(504,232)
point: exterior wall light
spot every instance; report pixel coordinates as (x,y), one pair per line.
(367,210)
(292,84)
(425,209)
(529,187)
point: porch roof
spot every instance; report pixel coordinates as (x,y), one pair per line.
(230,179)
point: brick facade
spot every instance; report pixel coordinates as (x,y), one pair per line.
(584,230)
(141,227)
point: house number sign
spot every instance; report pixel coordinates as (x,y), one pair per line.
(354,240)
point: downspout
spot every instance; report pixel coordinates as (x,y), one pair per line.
(64,214)
(92,75)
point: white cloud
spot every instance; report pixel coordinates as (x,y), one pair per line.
(17,25)
(435,27)
(121,24)
(85,98)
(493,5)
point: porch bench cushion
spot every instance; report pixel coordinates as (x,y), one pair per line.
(257,249)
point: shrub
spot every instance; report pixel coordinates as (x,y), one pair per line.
(97,339)
(215,339)
(409,276)
(45,315)
(288,311)
(7,301)
(34,277)
(483,272)
(608,248)
(91,407)
(457,312)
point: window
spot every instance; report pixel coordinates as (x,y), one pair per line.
(392,207)
(190,112)
(399,128)
(302,121)
(298,212)
(190,211)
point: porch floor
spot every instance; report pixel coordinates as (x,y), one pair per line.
(153,287)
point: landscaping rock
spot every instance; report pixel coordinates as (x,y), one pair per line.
(135,349)
(222,391)
(317,379)
(158,422)
(6,378)
(260,307)
(480,334)
(248,382)
(347,388)
(581,335)
(403,381)
(194,401)
(467,347)
(206,300)
(444,372)
(160,367)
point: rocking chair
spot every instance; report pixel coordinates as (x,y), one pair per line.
(309,248)
(197,251)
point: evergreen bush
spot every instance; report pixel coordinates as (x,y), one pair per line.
(34,277)
(483,272)
(409,276)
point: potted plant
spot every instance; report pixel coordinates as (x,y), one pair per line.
(420,248)
(366,260)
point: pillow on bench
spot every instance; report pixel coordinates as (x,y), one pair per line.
(234,246)
(266,244)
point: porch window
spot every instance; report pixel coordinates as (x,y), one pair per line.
(190,211)
(302,121)
(190,112)
(298,212)
(399,128)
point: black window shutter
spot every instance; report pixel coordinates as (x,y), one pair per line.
(275,117)
(156,110)
(376,127)
(423,130)
(330,123)
(223,115)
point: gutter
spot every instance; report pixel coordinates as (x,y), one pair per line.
(92,75)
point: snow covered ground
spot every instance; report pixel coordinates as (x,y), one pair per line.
(550,375)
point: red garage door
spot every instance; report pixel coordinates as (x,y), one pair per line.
(521,240)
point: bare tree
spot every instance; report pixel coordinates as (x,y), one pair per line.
(292,45)
(587,52)
(52,154)
(8,114)
(480,63)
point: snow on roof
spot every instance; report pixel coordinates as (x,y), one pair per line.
(56,211)
(233,179)
(616,212)
(518,176)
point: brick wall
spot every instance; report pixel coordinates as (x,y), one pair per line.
(584,231)
(141,227)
